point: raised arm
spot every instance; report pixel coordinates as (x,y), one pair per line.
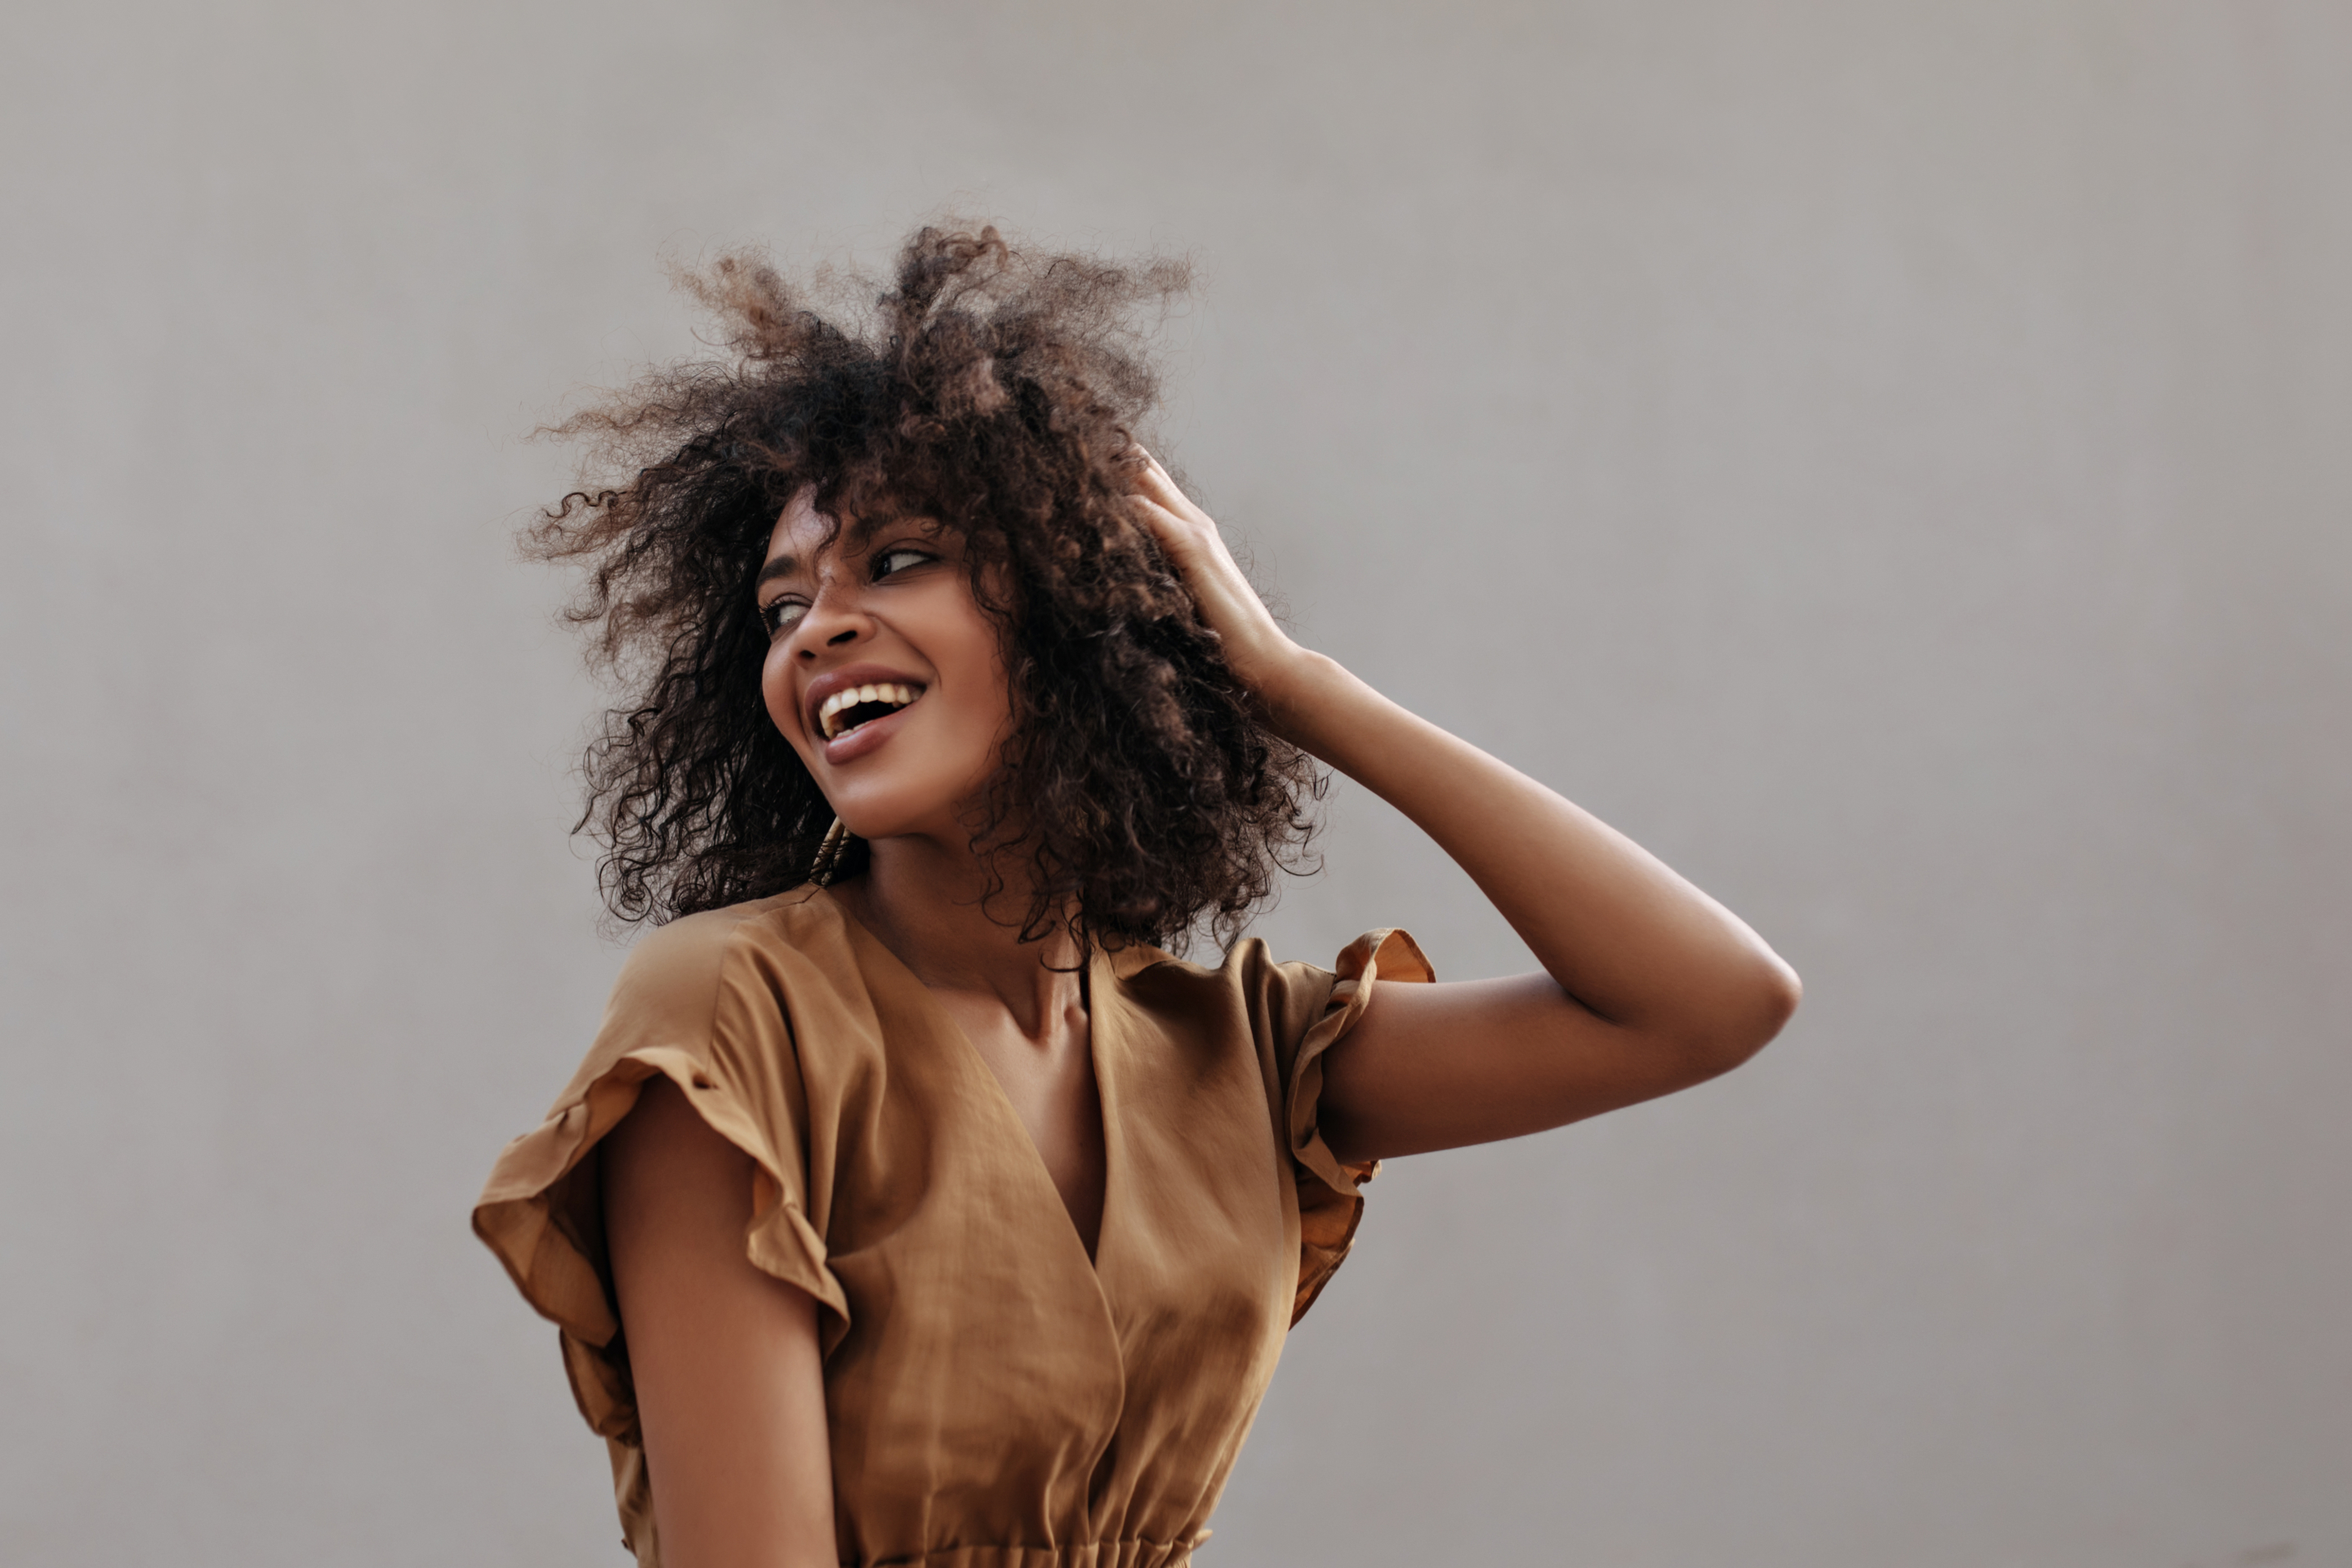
(1648,985)
(729,1381)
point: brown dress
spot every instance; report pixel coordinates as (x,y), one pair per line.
(995,1399)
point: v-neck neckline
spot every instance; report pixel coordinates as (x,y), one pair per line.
(1100,986)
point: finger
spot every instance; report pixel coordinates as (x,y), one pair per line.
(1152,473)
(1153,480)
(1189,536)
(1163,524)
(1160,488)
(1145,464)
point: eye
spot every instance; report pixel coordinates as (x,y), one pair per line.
(899,558)
(781,616)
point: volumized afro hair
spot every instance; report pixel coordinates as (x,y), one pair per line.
(996,391)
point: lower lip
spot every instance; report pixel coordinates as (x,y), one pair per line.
(848,748)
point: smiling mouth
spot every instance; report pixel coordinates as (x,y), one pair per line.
(855,705)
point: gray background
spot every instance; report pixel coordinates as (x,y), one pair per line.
(1890,458)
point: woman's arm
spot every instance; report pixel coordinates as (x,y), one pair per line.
(730,1379)
(1649,986)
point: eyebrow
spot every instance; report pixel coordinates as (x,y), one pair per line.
(858,533)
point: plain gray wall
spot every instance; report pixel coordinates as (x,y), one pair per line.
(1890,458)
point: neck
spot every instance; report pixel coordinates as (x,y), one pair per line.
(921,900)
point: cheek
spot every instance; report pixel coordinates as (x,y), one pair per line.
(992,690)
(776,693)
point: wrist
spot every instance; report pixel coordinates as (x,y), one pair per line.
(1296,689)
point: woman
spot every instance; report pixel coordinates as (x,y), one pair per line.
(913,1204)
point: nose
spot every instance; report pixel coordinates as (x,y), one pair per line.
(835,619)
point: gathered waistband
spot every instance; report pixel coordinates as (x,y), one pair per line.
(1130,1553)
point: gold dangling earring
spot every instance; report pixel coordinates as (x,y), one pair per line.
(828,853)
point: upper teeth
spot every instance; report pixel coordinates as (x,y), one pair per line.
(829,711)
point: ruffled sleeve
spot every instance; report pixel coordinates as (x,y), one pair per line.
(692,1006)
(1331,1202)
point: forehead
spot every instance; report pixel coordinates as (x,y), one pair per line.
(802,534)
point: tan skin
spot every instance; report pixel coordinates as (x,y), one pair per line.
(1647,986)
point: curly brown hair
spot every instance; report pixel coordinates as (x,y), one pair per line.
(995,391)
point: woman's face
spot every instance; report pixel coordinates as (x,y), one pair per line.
(882,670)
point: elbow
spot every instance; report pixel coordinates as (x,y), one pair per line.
(1752,1012)
(1778,993)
